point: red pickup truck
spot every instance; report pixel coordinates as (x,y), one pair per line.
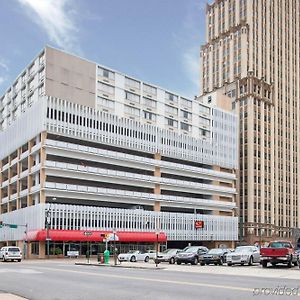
(279,252)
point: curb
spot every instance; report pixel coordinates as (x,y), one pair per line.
(118,266)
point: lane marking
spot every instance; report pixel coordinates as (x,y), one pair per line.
(153,280)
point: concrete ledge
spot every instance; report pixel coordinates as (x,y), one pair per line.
(151,267)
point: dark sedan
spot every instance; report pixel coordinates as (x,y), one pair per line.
(215,256)
(190,255)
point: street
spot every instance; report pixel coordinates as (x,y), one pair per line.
(62,279)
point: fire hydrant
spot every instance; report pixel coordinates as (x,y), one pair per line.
(106,256)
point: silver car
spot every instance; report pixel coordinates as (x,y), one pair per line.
(167,256)
(243,255)
(10,253)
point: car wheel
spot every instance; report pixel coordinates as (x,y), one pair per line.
(273,264)
(289,265)
(215,263)
(19,260)
(250,263)
(178,262)
(133,259)
(242,264)
(264,264)
(229,264)
(3,259)
(172,261)
(202,264)
(146,258)
(296,263)
(195,261)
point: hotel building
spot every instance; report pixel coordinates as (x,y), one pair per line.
(252,55)
(87,150)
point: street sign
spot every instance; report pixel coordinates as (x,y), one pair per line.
(199,224)
(13,226)
(111,237)
(87,233)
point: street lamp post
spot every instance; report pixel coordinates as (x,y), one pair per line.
(156,258)
(48,221)
(115,257)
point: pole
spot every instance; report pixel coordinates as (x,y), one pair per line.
(156,249)
(115,258)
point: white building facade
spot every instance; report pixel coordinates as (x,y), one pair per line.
(86,167)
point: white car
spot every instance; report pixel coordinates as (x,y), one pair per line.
(10,253)
(133,256)
(243,255)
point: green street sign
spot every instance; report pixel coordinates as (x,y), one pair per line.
(13,226)
(1,226)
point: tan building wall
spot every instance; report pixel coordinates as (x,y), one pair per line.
(253,46)
(69,77)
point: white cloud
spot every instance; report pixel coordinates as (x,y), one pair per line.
(191,64)
(3,65)
(56,17)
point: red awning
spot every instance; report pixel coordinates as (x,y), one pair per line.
(94,236)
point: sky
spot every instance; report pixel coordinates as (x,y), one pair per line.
(157,41)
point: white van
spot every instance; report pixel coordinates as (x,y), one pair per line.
(11,253)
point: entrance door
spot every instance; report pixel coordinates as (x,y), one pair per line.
(73,249)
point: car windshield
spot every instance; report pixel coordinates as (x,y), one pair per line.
(215,251)
(279,245)
(132,251)
(243,249)
(14,249)
(169,251)
(190,249)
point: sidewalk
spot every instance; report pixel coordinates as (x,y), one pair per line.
(6,296)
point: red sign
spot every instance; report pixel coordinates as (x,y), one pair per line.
(199,224)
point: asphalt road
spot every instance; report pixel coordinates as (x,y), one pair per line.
(42,280)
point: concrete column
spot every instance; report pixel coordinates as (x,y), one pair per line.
(42,249)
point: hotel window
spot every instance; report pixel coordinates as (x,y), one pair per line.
(106,73)
(149,116)
(186,103)
(149,103)
(31,70)
(30,100)
(132,110)
(171,110)
(204,110)
(171,122)
(23,77)
(41,90)
(105,102)
(132,97)
(41,59)
(204,133)
(106,88)
(204,121)
(149,89)
(185,126)
(185,114)
(131,83)
(171,97)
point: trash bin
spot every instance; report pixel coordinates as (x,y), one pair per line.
(106,256)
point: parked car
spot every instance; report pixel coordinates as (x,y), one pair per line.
(133,256)
(243,255)
(190,255)
(279,252)
(151,253)
(10,253)
(167,256)
(215,256)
